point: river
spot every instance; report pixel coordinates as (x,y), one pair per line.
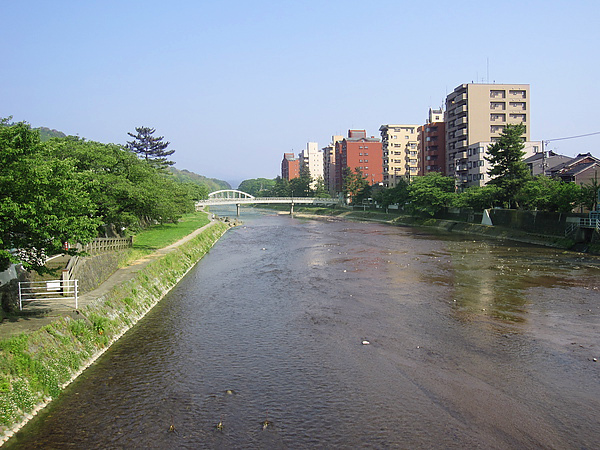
(472,343)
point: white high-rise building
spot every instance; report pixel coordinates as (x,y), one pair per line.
(312,157)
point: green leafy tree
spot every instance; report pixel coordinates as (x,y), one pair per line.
(590,193)
(354,184)
(478,197)
(397,195)
(430,193)
(549,194)
(301,185)
(320,190)
(508,171)
(127,191)
(281,188)
(44,200)
(151,148)
(257,186)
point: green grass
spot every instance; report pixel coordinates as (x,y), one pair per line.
(159,236)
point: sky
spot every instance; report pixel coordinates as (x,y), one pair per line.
(233,84)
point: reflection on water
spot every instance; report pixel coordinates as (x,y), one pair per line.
(473,343)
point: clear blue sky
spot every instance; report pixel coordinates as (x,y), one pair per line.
(235,84)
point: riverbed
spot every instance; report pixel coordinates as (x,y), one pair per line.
(297,333)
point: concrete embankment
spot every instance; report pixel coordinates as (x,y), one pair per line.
(35,367)
(441,224)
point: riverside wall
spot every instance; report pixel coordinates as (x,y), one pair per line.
(547,229)
(35,367)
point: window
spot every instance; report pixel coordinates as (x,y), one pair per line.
(406,137)
(366,154)
(517,93)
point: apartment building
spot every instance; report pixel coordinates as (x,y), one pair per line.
(400,153)
(312,158)
(329,164)
(431,144)
(471,167)
(290,166)
(476,115)
(358,151)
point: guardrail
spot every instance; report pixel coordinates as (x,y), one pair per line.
(51,290)
(107,244)
(590,223)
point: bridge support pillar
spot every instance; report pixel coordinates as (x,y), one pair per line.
(238,206)
(291,209)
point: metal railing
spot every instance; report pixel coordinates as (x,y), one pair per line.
(590,223)
(45,291)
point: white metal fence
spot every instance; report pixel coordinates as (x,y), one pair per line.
(44,292)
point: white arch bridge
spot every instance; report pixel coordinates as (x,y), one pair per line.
(239,198)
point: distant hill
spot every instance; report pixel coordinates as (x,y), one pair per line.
(211,183)
(47,133)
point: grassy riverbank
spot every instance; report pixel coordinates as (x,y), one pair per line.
(35,367)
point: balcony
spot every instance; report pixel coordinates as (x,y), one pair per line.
(460,109)
(461,132)
(461,155)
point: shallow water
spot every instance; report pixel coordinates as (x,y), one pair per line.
(473,344)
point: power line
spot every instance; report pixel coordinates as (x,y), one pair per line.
(572,137)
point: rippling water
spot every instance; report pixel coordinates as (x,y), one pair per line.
(473,344)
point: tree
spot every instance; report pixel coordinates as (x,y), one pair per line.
(549,194)
(590,194)
(320,189)
(44,200)
(150,148)
(301,185)
(392,196)
(281,188)
(354,185)
(478,197)
(508,171)
(256,186)
(430,193)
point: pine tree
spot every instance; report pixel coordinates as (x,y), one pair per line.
(508,171)
(149,147)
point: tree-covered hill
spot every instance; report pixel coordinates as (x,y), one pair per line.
(186,176)
(47,133)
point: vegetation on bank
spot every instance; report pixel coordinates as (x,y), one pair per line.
(67,189)
(35,367)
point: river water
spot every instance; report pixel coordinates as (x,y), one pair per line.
(472,344)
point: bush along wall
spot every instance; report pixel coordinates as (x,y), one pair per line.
(36,367)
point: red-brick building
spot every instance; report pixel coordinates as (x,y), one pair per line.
(432,144)
(290,166)
(362,152)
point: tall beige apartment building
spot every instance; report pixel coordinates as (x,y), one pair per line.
(312,158)
(400,154)
(476,115)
